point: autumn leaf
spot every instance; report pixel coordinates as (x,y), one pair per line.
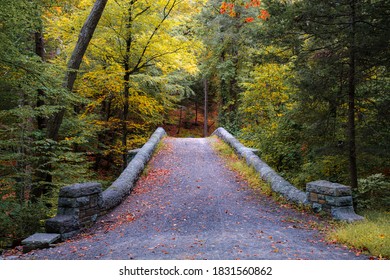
(264,15)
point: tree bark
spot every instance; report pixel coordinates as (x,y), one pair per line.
(126,90)
(40,51)
(75,60)
(42,179)
(180,119)
(206,89)
(351,100)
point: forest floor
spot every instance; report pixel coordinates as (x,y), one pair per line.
(189,205)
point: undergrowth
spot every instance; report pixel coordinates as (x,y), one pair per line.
(371,235)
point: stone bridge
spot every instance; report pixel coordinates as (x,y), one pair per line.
(80,205)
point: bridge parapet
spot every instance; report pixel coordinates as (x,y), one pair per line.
(79,205)
(277,183)
(332,198)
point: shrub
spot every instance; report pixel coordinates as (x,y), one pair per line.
(19,220)
(373,192)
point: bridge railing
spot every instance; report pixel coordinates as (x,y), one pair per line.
(333,198)
(79,205)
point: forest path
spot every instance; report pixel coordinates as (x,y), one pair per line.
(191,206)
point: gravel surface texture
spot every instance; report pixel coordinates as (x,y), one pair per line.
(191,206)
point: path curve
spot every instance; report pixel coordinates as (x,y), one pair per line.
(190,206)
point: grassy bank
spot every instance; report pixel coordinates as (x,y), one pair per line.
(240,167)
(371,236)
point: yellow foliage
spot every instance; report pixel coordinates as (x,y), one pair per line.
(267,96)
(137,37)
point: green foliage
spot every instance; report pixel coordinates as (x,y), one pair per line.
(18,220)
(32,167)
(224,60)
(331,168)
(373,193)
(294,104)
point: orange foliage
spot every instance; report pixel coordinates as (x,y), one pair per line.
(264,15)
(253,3)
(229,8)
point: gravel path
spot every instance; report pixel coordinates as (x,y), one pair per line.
(190,206)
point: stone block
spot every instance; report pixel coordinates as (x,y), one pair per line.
(39,241)
(313,197)
(346,214)
(64,211)
(80,190)
(326,207)
(62,224)
(93,201)
(131,154)
(88,220)
(66,202)
(321,201)
(83,201)
(328,188)
(68,235)
(339,201)
(255,151)
(317,207)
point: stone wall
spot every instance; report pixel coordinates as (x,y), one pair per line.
(277,183)
(122,186)
(79,205)
(332,198)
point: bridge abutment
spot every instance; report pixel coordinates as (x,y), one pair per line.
(332,198)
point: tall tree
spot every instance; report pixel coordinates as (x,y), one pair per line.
(339,46)
(139,63)
(227,31)
(75,60)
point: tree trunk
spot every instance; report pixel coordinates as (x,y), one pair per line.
(53,126)
(196,111)
(125,114)
(42,179)
(40,51)
(206,88)
(351,100)
(180,119)
(75,60)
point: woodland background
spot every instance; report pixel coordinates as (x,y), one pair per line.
(305,82)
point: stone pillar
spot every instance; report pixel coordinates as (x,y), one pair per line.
(333,198)
(79,205)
